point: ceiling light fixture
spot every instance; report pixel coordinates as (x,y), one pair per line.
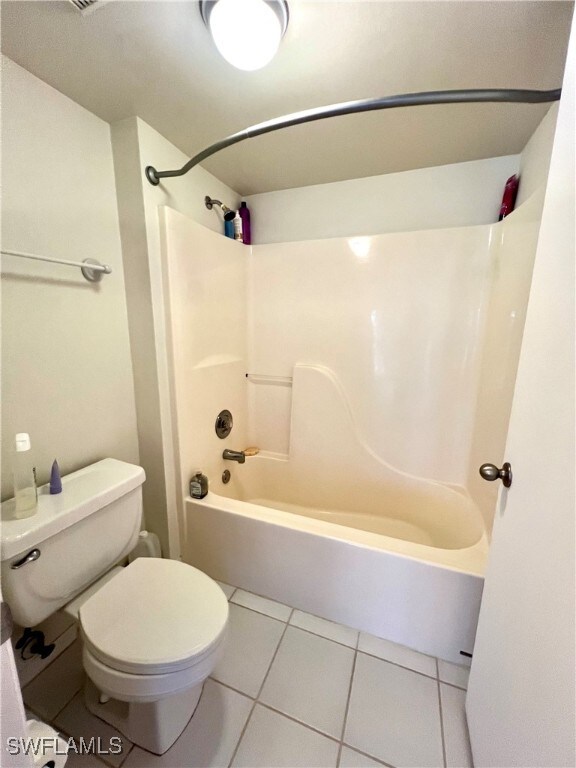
(246,32)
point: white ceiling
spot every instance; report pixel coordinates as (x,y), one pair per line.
(156,60)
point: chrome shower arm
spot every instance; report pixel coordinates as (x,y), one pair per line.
(364,105)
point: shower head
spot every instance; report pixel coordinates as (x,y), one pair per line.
(210,202)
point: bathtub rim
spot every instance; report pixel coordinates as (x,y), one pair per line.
(469,560)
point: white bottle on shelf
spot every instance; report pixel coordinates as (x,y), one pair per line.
(25,493)
(238,235)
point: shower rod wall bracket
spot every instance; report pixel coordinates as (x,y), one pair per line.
(151,175)
(468,96)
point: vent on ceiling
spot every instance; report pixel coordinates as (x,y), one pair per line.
(88,5)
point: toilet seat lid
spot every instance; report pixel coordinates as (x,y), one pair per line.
(156,616)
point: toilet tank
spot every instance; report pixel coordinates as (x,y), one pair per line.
(72,540)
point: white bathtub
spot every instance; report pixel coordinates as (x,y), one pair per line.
(404,563)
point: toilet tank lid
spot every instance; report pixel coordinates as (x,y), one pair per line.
(83,493)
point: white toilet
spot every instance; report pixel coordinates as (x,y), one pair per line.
(152,631)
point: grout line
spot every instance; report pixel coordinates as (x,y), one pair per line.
(263,597)
(292,610)
(69,700)
(62,708)
(237,747)
(125,757)
(231,687)
(348,702)
(441,724)
(287,621)
(452,685)
(259,613)
(242,732)
(335,739)
(274,656)
(75,624)
(366,754)
(394,663)
(344,645)
(262,613)
(316,634)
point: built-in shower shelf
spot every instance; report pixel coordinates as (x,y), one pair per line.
(278,381)
(213,360)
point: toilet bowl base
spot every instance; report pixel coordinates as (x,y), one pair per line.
(152,725)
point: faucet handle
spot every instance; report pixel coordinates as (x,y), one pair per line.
(252,451)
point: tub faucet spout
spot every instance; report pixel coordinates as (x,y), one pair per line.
(238,456)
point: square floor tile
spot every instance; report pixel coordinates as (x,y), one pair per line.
(455,674)
(398,654)
(273,741)
(262,605)
(456,740)
(55,686)
(310,680)
(329,629)
(394,714)
(75,760)
(227,589)
(352,759)
(251,643)
(209,739)
(75,720)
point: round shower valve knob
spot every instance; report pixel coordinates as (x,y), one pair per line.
(491,472)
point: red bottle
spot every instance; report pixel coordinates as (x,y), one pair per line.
(509,196)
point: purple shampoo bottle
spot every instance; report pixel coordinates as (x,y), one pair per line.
(245,216)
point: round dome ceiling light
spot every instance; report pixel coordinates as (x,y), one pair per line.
(246,32)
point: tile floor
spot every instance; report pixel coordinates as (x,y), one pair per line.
(292,690)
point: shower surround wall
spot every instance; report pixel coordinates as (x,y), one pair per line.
(397,319)
(426,198)
(418,331)
(206,302)
(362,367)
(367,352)
(394,322)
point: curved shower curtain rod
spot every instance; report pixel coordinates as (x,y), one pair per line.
(364,105)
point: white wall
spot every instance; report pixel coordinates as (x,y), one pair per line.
(135,146)
(66,369)
(457,195)
(535,157)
